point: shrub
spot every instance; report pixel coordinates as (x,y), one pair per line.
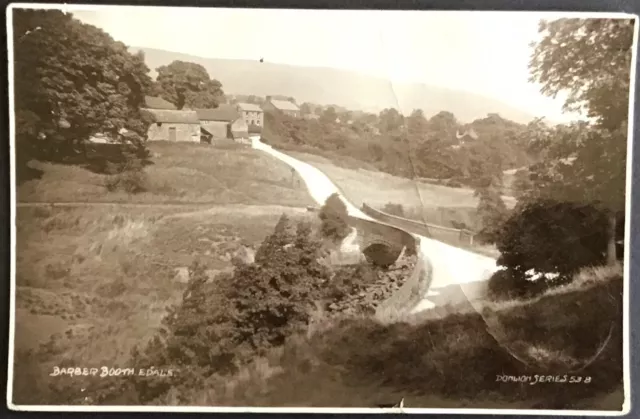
(128,176)
(197,336)
(548,236)
(506,284)
(274,295)
(334,216)
(223,324)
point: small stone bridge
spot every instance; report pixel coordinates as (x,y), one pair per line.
(382,243)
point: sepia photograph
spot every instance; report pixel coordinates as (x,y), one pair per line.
(347,211)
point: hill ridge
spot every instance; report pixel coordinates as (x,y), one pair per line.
(333,86)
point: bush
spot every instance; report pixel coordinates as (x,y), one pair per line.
(506,284)
(334,217)
(196,337)
(223,324)
(274,295)
(547,236)
(128,176)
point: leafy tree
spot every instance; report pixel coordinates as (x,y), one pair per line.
(417,125)
(188,84)
(550,236)
(196,338)
(521,184)
(274,296)
(221,324)
(329,115)
(390,121)
(334,217)
(443,126)
(72,80)
(306,109)
(345,116)
(590,60)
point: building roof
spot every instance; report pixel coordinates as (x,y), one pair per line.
(284,105)
(223,112)
(154,102)
(174,117)
(250,107)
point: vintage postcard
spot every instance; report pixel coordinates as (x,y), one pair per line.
(319,210)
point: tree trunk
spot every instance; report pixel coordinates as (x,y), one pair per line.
(612,257)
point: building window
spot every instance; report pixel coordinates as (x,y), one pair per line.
(159,124)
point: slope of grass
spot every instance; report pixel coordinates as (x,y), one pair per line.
(92,282)
(364,185)
(194,173)
(452,362)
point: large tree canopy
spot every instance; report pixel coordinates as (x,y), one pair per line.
(73,80)
(590,61)
(188,84)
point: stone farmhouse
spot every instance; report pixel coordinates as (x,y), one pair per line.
(284,106)
(174,126)
(252,114)
(194,125)
(222,122)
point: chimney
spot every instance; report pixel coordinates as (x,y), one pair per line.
(268,98)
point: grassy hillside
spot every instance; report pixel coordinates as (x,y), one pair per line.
(327,86)
(453,362)
(178,173)
(365,185)
(94,281)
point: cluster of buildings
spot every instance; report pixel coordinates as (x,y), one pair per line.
(234,122)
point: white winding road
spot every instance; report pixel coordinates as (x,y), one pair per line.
(458,275)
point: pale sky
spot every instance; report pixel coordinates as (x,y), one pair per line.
(436,48)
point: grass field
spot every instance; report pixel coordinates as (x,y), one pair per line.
(191,173)
(363,185)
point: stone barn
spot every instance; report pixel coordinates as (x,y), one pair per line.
(173,126)
(285,106)
(223,122)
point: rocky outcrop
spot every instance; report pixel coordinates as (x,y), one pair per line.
(360,289)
